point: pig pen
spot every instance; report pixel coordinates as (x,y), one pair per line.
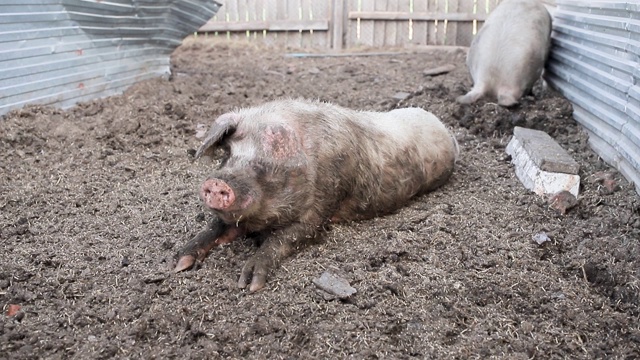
(96,200)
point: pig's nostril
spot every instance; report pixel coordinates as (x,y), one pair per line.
(217,194)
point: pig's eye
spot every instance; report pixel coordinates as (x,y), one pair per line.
(221,154)
(259,169)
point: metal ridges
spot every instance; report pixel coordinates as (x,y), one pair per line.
(64,51)
(595,63)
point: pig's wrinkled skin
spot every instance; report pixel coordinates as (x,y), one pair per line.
(508,54)
(292,166)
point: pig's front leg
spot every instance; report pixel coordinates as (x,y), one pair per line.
(276,247)
(216,233)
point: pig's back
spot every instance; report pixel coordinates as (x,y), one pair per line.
(515,38)
(408,125)
(360,164)
(417,138)
(399,154)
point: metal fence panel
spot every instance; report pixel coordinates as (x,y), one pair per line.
(63,51)
(595,63)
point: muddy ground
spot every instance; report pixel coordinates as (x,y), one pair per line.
(96,200)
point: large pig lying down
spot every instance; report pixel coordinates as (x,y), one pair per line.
(508,54)
(289,167)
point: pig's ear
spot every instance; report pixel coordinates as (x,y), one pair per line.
(223,126)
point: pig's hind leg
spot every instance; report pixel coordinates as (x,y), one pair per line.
(198,248)
(276,246)
(509,95)
(472,96)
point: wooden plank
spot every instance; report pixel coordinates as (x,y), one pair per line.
(294,38)
(403,25)
(274,25)
(281,14)
(366,25)
(252,16)
(232,15)
(268,14)
(465,30)
(403,15)
(222,16)
(338,24)
(391,30)
(260,16)
(320,10)
(442,29)
(379,27)
(305,14)
(432,25)
(420,27)
(353,26)
(451,27)
(243,14)
(243,10)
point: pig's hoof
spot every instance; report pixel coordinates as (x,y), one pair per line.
(462,100)
(184,263)
(255,271)
(467,99)
(507,101)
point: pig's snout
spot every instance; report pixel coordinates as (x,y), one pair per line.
(217,194)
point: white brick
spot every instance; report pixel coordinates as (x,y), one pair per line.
(533,178)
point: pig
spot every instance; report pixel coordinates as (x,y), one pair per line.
(508,54)
(290,167)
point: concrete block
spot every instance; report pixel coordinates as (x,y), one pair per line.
(541,164)
(401,96)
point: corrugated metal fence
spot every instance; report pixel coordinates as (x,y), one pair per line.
(595,63)
(64,51)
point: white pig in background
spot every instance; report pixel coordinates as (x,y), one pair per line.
(508,54)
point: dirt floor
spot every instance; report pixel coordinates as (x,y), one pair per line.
(96,200)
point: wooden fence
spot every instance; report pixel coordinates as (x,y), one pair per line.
(350,23)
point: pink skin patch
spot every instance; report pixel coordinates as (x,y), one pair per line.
(279,142)
(217,195)
(245,204)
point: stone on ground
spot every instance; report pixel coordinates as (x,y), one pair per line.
(541,164)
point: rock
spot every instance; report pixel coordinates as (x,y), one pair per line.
(541,238)
(606,179)
(335,285)
(542,165)
(401,96)
(439,70)
(562,201)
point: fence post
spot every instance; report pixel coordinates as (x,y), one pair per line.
(338,20)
